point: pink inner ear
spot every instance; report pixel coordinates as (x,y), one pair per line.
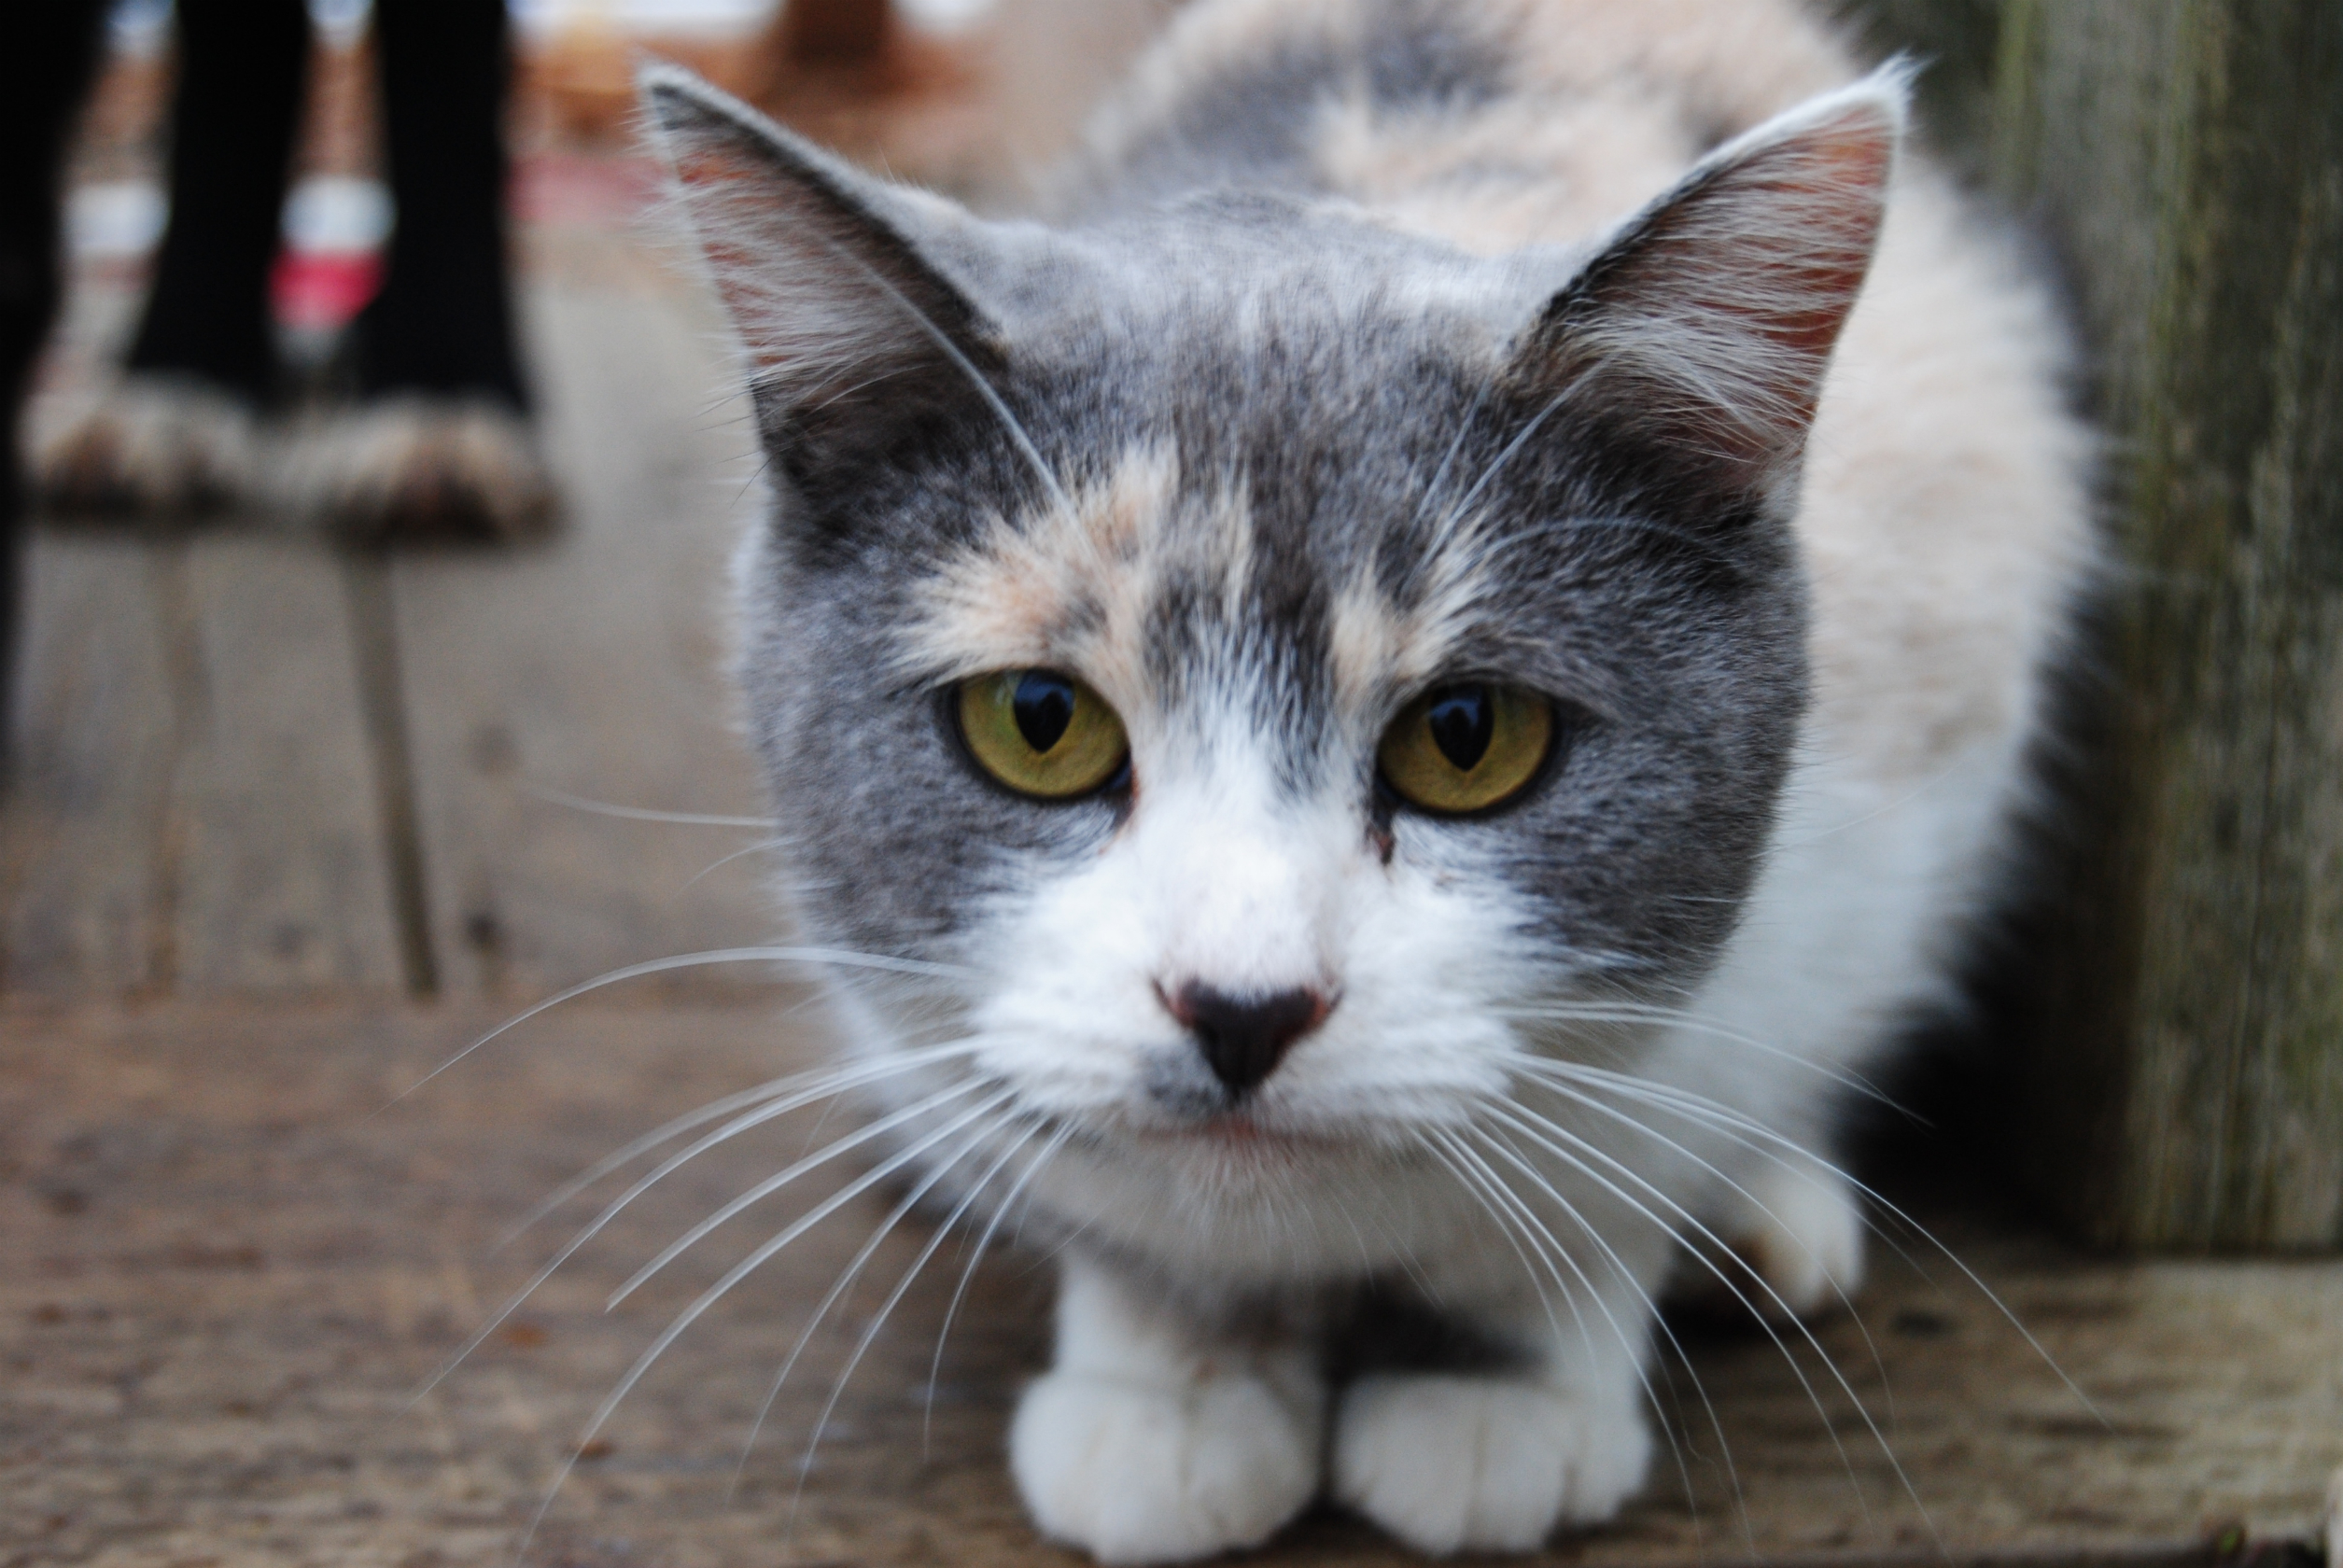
(1716,314)
(723,191)
(1832,190)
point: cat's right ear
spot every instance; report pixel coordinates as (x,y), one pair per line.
(1700,333)
(852,335)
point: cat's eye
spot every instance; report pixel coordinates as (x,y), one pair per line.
(1042,732)
(1466,746)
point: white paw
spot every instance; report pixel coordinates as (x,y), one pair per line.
(1806,1240)
(1142,1472)
(1460,1463)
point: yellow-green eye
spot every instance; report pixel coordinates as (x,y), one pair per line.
(1465,747)
(1042,732)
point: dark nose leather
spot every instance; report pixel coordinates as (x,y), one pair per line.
(1243,1038)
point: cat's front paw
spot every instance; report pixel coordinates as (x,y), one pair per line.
(1462,1464)
(1143,1473)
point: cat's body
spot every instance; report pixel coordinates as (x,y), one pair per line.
(1394,404)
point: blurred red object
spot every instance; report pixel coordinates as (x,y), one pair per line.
(322,290)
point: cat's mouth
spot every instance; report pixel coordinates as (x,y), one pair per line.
(1242,1131)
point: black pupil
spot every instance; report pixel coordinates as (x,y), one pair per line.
(1462,719)
(1044,705)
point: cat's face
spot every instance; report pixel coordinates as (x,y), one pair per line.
(1432,668)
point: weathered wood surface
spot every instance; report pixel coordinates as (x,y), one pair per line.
(95,740)
(281,869)
(226,1268)
(248,764)
(592,669)
(2186,1054)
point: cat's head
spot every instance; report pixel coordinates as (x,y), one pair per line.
(1271,657)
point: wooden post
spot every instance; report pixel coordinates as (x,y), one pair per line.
(2182,1048)
(820,33)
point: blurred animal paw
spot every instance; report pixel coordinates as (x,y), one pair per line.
(1484,1463)
(1140,1473)
(151,445)
(418,468)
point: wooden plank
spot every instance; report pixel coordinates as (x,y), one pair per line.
(2186,1037)
(589,668)
(96,733)
(1957,45)
(224,1274)
(283,878)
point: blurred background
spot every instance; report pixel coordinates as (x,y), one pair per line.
(294,817)
(249,763)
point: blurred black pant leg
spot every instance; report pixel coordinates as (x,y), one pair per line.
(243,69)
(444,322)
(48,53)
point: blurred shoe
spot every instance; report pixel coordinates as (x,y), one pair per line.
(151,445)
(418,468)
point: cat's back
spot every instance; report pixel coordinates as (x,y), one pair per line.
(1943,512)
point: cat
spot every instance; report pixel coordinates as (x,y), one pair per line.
(1421,673)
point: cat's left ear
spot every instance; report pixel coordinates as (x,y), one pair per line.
(852,331)
(1700,333)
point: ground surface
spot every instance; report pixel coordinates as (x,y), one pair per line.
(289,828)
(229,1262)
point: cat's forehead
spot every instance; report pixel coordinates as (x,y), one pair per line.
(1180,588)
(1259,438)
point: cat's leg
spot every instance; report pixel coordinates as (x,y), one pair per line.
(1493,1461)
(1149,1442)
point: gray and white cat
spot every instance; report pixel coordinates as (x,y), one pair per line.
(1428,670)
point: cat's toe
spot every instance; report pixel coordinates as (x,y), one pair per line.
(1802,1229)
(1462,1464)
(416,467)
(1142,1472)
(152,443)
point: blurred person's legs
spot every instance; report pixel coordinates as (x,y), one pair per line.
(440,441)
(177,431)
(48,53)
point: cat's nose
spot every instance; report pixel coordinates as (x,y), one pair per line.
(1243,1038)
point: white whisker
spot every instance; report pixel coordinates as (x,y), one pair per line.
(1696,1107)
(1552,1246)
(797,1088)
(641,813)
(984,1240)
(715,1293)
(853,1272)
(764,1111)
(1626,1013)
(761,846)
(894,1298)
(830,956)
(1536,1128)
(1652,1314)
(774,1184)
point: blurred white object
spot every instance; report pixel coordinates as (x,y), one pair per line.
(337,213)
(123,219)
(539,17)
(944,16)
(116,220)
(542,17)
